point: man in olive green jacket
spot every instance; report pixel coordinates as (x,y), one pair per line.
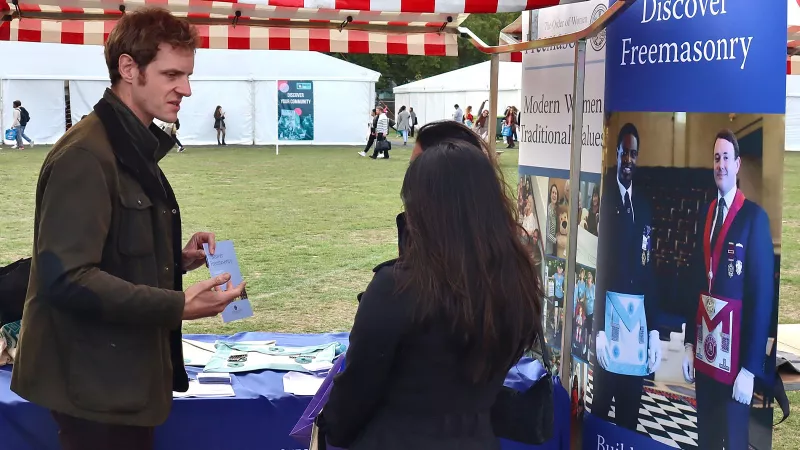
(101,330)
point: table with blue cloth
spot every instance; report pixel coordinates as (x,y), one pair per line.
(260,416)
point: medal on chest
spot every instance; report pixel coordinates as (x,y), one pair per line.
(731,258)
(646,235)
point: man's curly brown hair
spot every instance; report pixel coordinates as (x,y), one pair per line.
(140,33)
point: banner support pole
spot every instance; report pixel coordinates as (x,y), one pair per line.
(574,182)
(253,108)
(493,88)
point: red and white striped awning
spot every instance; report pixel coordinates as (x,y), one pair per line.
(793,37)
(405,27)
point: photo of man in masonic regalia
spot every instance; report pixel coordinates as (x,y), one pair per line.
(626,349)
(728,322)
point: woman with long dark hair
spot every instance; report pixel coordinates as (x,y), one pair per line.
(438,329)
(219,124)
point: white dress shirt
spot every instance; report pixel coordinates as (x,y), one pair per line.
(622,192)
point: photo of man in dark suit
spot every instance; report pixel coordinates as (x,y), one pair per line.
(729,318)
(626,350)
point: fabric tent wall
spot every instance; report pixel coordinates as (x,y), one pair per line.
(433,98)
(792,113)
(242,81)
(44,100)
(197,113)
(83,95)
(266,98)
(432,106)
(251,111)
(341,110)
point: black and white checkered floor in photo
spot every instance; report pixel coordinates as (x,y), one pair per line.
(669,422)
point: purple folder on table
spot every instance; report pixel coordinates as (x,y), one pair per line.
(302,430)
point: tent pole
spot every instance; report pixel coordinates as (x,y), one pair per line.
(253,107)
(2,108)
(574,184)
(494,73)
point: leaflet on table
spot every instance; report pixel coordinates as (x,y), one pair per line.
(297,383)
(250,356)
(206,390)
(214,378)
(224,261)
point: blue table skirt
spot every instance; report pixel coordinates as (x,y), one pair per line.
(259,417)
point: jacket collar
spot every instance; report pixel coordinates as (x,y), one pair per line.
(129,156)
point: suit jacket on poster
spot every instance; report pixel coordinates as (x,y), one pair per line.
(754,284)
(101,336)
(619,252)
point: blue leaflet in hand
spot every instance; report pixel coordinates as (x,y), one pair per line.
(224,261)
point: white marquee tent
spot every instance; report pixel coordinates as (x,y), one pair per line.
(243,82)
(792,119)
(433,98)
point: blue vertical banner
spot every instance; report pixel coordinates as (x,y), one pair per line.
(698,55)
(683,338)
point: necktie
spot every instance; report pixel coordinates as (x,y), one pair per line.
(628,210)
(718,223)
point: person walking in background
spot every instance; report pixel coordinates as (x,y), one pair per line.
(21,119)
(413,120)
(404,123)
(469,119)
(175,128)
(172,130)
(458,114)
(372,124)
(511,121)
(381,130)
(482,124)
(219,124)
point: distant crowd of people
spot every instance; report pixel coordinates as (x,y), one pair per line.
(379,124)
(481,124)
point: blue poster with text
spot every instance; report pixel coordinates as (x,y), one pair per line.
(698,56)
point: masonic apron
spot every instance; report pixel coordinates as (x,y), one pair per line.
(626,331)
(718,319)
(626,325)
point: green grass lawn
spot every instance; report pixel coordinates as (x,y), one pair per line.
(309,225)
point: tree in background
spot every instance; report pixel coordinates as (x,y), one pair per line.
(402,69)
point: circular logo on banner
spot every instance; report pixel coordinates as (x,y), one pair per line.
(710,348)
(599,41)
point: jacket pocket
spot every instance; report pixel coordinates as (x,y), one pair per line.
(111,374)
(136,225)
